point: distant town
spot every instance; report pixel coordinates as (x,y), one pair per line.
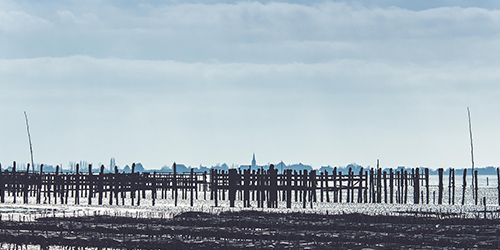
(281,166)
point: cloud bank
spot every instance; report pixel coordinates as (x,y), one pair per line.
(322,83)
(250,32)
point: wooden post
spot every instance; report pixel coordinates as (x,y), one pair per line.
(340,186)
(372,187)
(14,182)
(403,186)
(253,183)
(174,185)
(62,186)
(440,194)
(273,183)
(246,188)
(239,190)
(225,179)
(312,188)
(249,188)
(263,187)
(335,191)
(153,189)
(397,179)
(304,188)
(449,186)
(391,185)
(351,177)
(476,186)
(385,186)
(257,184)
(258,180)
(416,187)
(485,207)
(37,183)
(349,183)
(123,184)
(205,185)
(296,185)
(132,180)
(100,184)
(192,187)
(322,188)
(379,185)
(498,186)
(181,185)
(269,187)
(116,184)
(360,187)
(2,186)
(233,175)
(140,184)
(327,191)
(111,185)
(289,188)
(399,183)
(56,184)
(90,184)
(26,183)
(144,178)
(464,186)
(453,187)
(196,185)
(365,192)
(211,184)
(214,187)
(77,182)
(67,179)
(260,187)
(427,185)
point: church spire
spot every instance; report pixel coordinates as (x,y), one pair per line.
(254,163)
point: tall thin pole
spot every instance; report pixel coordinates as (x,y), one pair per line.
(29,139)
(471,150)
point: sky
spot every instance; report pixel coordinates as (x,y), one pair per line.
(212,82)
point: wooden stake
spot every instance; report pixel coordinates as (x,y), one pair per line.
(29,138)
(471,152)
(464,186)
(440,194)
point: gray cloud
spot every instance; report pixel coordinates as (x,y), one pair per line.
(253,32)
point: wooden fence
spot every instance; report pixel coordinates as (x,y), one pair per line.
(265,187)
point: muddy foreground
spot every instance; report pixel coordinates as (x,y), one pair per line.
(257,230)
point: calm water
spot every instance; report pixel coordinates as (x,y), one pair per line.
(165,208)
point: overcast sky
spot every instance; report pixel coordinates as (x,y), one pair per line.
(207,82)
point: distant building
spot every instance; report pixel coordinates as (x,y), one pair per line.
(254,163)
(112,165)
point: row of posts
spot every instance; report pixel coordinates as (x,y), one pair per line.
(365,187)
(266,187)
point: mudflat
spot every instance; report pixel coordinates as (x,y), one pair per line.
(248,229)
